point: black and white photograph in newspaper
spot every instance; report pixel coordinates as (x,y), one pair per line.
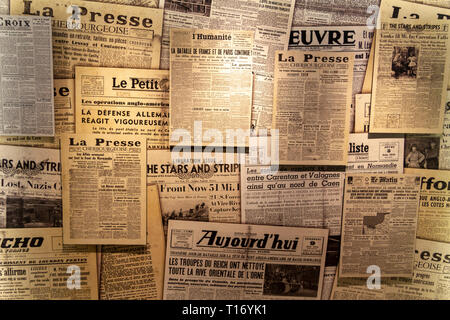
(32,212)
(404,62)
(199,7)
(291,280)
(422,151)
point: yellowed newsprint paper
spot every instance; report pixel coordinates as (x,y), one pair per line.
(210,261)
(430,280)
(356,39)
(380,154)
(140,3)
(136,272)
(35,265)
(296,197)
(26,99)
(211,86)
(124,102)
(411,68)
(313,92)
(337,13)
(270,20)
(196,187)
(367,86)
(64,108)
(362,112)
(30,187)
(104,189)
(436,3)
(357,289)
(96,34)
(4,6)
(434,210)
(444,153)
(379,221)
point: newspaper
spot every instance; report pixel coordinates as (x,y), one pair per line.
(411,68)
(444,153)
(422,151)
(194,188)
(30,188)
(313,92)
(357,39)
(429,282)
(104,190)
(4,6)
(35,265)
(434,215)
(270,20)
(296,197)
(26,99)
(362,112)
(124,102)
(98,34)
(209,261)
(379,224)
(341,12)
(211,85)
(64,108)
(374,155)
(367,86)
(136,272)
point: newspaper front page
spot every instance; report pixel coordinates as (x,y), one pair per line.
(64,108)
(434,213)
(296,197)
(379,224)
(367,86)
(35,265)
(271,22)
(211,85)
(374,155)
(313,92)
(136,272)
(26,99)
(362,112)
(104,189)
(444,153)
(411,68)
(30,188)
(87,33)
(206,260)
(195,188)
(356,39)
(430,280)
(339,12)
(124,102)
